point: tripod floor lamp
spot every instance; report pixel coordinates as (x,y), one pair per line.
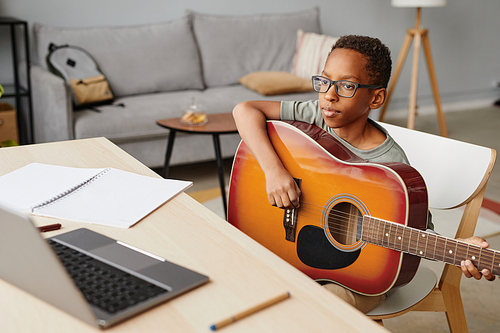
(420,38)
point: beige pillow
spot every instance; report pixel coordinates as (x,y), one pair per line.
(311,53)
(270,83)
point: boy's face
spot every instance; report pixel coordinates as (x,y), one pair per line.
(339,112)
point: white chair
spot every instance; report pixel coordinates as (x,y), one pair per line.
(455,174)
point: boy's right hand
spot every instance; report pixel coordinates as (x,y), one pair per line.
(282,190)
(250,118)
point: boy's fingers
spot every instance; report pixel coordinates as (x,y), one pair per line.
(488,275)
(273,201)
(464,269)
(473,270)
(285,202)
(298,193)
(294,200)
(470,270)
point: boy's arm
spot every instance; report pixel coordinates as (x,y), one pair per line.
(250,118)
(468,267)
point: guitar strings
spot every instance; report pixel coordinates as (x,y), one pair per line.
(309,212)
(337,221)
(336,224)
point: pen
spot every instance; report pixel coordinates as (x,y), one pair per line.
(50,227)
(250,311)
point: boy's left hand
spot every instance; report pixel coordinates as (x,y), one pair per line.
(468,267)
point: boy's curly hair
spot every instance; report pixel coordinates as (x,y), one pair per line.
(379,63)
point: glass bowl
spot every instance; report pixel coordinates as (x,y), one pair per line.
(194,114)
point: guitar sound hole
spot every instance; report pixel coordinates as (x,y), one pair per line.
(344,223)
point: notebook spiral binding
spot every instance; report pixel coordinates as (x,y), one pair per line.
(69,191)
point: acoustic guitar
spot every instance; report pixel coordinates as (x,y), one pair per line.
(359,224)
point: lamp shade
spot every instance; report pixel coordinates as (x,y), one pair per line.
(418,3)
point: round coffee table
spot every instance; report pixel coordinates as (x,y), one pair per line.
(219,123)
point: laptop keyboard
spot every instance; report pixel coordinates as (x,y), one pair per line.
(102,285)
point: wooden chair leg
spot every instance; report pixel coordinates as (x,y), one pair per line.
(453,300)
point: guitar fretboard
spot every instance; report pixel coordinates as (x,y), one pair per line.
(427,244)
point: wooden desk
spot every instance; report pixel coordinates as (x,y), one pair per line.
(242,272)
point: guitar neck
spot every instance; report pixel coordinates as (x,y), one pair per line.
(427,244)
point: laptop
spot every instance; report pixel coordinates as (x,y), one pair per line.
(111,281)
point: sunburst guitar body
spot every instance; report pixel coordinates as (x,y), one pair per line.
(324,237)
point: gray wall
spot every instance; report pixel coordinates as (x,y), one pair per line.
(464,35)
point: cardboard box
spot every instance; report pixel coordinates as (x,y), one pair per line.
(8,123)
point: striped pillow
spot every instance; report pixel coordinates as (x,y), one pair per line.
(311,53)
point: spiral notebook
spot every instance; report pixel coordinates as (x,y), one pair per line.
(105,196)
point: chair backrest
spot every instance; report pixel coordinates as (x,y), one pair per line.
(454,171)
(456,174)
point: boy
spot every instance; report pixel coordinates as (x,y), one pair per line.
(353,83)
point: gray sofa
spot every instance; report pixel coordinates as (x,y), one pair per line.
(156,69)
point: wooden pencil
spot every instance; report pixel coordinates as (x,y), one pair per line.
(250,311)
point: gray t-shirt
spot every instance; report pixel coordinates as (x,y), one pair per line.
(309,112)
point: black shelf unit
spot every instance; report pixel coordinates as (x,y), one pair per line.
(15,90)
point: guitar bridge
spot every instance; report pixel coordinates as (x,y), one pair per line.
(290,220)
(290,224)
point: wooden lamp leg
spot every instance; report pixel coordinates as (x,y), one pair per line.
(419,37)
(397,71)
(414,80)
(434,85)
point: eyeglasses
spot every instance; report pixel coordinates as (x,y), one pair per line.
(343,88)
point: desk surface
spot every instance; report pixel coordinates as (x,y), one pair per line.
(242,272)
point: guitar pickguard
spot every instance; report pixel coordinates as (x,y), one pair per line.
(314,250)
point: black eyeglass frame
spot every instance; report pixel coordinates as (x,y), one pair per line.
(331,82)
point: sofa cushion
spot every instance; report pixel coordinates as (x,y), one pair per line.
(311,54)
(135,59)
(233,46)
(270,83)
